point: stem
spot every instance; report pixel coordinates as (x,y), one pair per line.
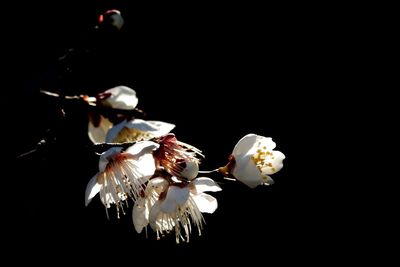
(40,144)
(136,112)
(222,171)
(57,95)
(26,153)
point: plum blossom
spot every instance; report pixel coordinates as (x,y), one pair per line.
(119,97)
(175,206)
(253,160)
(122,174)
(177,158)
(137,129)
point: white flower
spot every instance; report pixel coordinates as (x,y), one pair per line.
(177,158)
(120,97)
(141,209)
(254,160)
(175,207)
(137,129)
(122,174)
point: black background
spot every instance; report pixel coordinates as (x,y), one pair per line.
(218,72)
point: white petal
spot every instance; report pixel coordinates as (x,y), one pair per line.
(137,129)
(175,196)
(191,170)
(122,97)
(113,132)
(92,189)
(265,143)
(98,134)
(247,172)
(142,147)
(155,127)
(157,184)
(104,158)
(153,215)
(250,143)
(139,216)
(244,144)
(204,184)
(205,203)
(146,166)
(276,163)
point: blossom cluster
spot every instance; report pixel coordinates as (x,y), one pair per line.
(159,173)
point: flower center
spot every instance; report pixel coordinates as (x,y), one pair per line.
(131,135)
(262,158)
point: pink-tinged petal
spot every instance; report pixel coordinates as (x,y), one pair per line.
(204,184)
(98,134)
(175,196)
(122,97)
(247,172)
(104,158)
(140,215)
(92,188)
(205,202)
(273,163)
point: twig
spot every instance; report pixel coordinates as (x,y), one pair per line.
(136,112)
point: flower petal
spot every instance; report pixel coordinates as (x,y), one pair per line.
(92,189)
(139,216)
(146,166)
(205,202)
(175,196)
(204,184)
(250,143)
(153,215)
(104,158)
(190,171)
(137,129)
(98,134)
(247,172)
(157,184)
(122,97)
(156,127)
(276,163)
(113,132)
(141,148)
(244,144)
